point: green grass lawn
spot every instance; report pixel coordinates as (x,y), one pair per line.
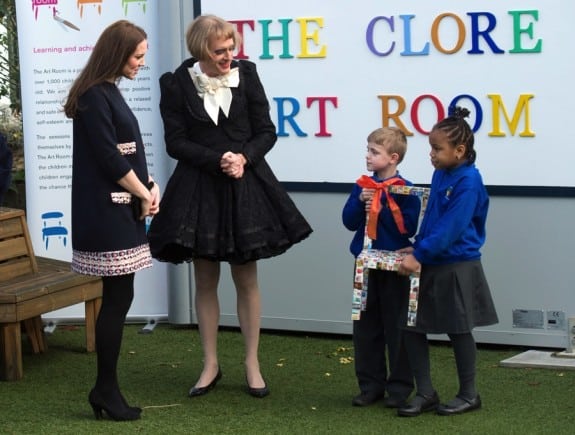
(311,379)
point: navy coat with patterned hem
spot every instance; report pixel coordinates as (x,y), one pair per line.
(106,238)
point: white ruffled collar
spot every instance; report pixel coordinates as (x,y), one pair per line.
(215,91)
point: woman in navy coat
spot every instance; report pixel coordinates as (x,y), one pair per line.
(111,194)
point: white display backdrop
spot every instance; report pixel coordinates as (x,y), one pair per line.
(55,40)
(331,69)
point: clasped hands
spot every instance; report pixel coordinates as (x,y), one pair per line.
(150,204)
(232,164)
(155,205)
(409,264)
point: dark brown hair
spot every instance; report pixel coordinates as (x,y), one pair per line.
(112,50)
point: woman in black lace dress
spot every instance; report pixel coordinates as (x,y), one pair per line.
(223,202)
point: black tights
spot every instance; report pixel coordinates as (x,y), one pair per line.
(117,295)
(464,350)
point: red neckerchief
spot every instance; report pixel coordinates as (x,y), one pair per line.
(369,183)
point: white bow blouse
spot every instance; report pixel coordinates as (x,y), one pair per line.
(215,91)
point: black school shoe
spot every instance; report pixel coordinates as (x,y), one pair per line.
(395,402)
(367,398)
(466,405)
(418,405)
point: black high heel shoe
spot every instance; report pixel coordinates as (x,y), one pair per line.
(99,404)
(131,408)
(200,391)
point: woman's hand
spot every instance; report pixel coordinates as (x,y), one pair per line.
(149,199)
(155,206)
(150,204)
(145,206)
(232,164)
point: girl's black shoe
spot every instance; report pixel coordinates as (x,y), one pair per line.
(459,406)
(418,405)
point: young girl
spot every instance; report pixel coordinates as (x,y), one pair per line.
(454,296)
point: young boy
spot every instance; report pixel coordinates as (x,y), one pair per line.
(377,327)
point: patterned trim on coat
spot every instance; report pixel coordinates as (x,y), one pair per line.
(127,148)
(121,197)
(112,263)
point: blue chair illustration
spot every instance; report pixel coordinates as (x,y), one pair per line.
(51,230)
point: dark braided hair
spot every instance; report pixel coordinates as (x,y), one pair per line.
(458,131)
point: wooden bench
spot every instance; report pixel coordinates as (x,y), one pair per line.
(31,286)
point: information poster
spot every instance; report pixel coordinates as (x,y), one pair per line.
(55,39)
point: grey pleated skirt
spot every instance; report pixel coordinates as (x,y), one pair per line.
(453,298)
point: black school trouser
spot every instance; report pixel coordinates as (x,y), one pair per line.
(377,338)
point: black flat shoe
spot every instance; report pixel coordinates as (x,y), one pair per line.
(200,391)
(418,405)
(260,393)
(465,406)
(367,398)
(117,413)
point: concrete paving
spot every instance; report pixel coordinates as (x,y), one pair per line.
(541,359)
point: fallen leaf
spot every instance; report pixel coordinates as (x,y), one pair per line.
(161,406)
(171,364)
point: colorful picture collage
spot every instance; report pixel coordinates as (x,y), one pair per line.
(385,260)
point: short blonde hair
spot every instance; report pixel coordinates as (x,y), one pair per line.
(203,29)
(392,139)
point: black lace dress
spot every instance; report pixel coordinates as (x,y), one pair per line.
(205,213)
